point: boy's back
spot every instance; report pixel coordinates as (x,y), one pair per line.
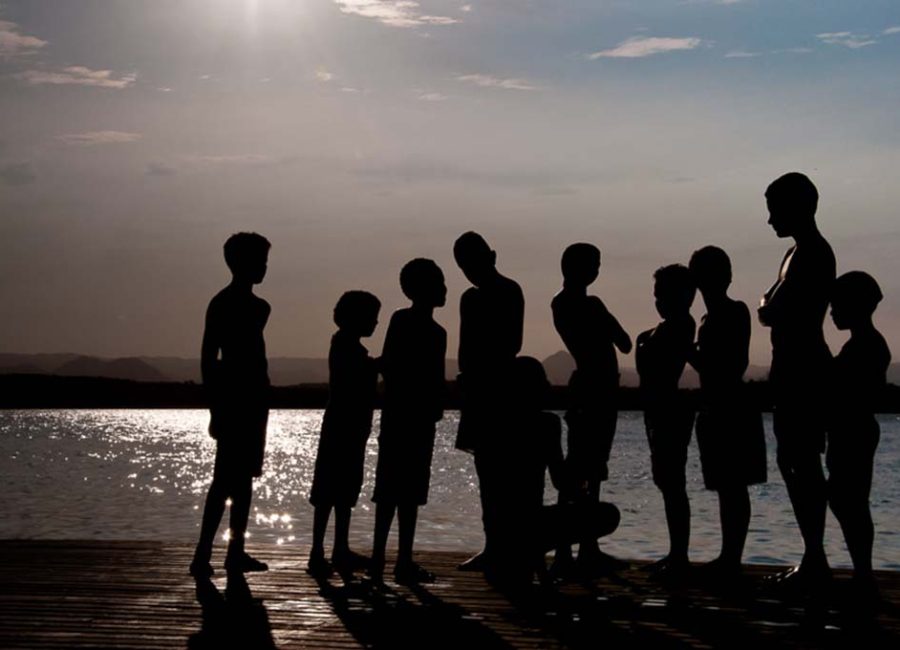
(412,364)
(236,320)
(860,371)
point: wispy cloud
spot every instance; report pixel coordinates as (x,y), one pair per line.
(396,13)
(741,54)
(641,46)
(487,81)
(77,75)
(160,169)
(847,39)
(466,8)
(17,174)
(324,76)
(431,97)
(794,50)
(14,43)
(93,138)
(891,30)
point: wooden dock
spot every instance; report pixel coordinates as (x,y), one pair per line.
(91,594)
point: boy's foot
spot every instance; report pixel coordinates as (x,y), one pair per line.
(670,571)
(563,567)
(376,570)
(477,562)
(244,563)
(653,567)
(201,569)
(348,561)
(318,567)
(799,580)
(409,573)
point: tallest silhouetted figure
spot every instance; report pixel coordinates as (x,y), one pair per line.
(491,320)
(794,308)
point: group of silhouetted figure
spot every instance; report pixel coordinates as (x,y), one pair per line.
(820,402)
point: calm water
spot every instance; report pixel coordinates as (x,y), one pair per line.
(131,474)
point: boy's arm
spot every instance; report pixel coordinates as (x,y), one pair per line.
(209,351)
(555,459)
(619,336)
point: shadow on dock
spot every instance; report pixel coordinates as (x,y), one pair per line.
(138,595)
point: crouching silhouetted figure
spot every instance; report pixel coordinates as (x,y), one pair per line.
(519,457)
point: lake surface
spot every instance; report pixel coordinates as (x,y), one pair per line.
(143,475)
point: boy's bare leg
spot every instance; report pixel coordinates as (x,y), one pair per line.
(342,557)
(734,512)
(212,517)
(237,559)
(407,571)
(317,565)
(384,517)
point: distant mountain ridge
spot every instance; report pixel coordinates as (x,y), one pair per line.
(283,371)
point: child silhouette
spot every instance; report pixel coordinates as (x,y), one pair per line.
(858,379)
(730,434)
(346,425)
(591,334)
(412,364)
(661,355)
(235,378)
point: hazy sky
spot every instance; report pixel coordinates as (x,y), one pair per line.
(358,134)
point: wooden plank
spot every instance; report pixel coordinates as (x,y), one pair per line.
(79,594)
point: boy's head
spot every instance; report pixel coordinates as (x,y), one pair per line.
(357,312)
(422,281)
(474,257)
(530,382)
(792,200)
(580,264)
(854,297)
(674,290)
(247,254)
(711,270)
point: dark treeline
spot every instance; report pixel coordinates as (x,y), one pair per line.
(48,392)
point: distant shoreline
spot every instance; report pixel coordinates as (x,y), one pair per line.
(28,391)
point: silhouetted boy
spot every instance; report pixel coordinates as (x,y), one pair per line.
(412,364)
(519,456)
(729,431)
(661,355)
(794,307)
(591,334)
(491,319)
(346,425)
(859,379)
(235,377)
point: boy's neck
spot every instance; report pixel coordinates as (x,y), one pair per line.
(575,289)
(350,334)
(422,309)
(864,328)
(239,284)
(713,301)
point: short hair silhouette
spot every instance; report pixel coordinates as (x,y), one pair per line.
(243,248)
(858,291)
(418,276)
(677,283)
(580,260)
(470,244)
(796,192)
(354,306)
(710,266)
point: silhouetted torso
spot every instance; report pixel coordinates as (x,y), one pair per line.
(859,373)
(490,330)
(412,364)
(587,328)
(236,319)
(660,358)
(351,380)
(723,340)
(796,305)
